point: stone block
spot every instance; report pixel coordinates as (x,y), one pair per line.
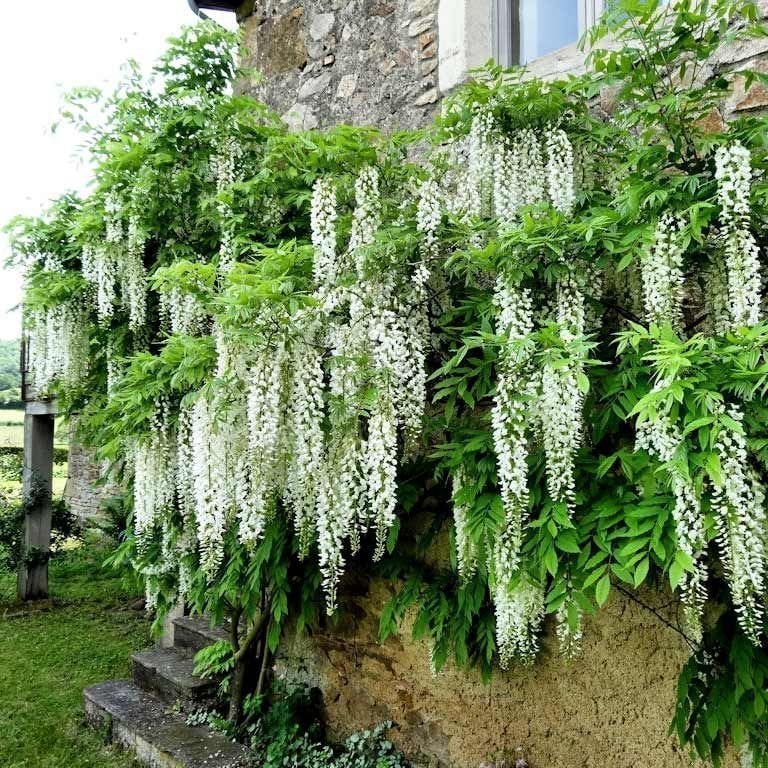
(321,25)
(158,737)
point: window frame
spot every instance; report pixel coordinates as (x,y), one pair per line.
(505,28)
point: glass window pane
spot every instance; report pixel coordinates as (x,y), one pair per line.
(546,25)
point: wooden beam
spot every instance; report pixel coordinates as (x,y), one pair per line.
(37,487)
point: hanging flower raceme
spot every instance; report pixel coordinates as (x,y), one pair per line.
(466,549)
(323,223)
(133,275)
(267,416)
(307,438)
(519,613)
(559,169)
(225,170)
(101,269)
(340,499)
(569,629)
(506,184)
(58,345)
(663,276)
(514,389)
(738,502)
(481,144)
(181,312)
(733,172)
(561,398)
(662,273)
(211,477)
(530,169)
(662,439)
(154,483)
(428,215)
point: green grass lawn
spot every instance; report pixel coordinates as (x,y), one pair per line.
(12,436)
(12,429)
(48,654)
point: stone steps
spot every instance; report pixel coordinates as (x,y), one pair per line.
(159,737)
(148,713)
(168,674)
(195,632)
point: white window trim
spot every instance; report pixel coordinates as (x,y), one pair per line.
(472,31)
(506,33)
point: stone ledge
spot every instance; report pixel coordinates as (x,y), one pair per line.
(159,738)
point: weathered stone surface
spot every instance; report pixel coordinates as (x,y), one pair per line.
(300,117)
(315,85)
(383,9)
(421,25)
(86,490)
(347,86)
(377,48)
(608,709)
(321,25)
(158,737)
(744,99)
(193,633)
(755,98)
(712,122)
(168,674)
(275,43)
(429,97)
(428,66)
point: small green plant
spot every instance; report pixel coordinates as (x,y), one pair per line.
(290,734)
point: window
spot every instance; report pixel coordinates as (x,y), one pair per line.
(525,30)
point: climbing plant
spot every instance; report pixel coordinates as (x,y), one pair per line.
(539,325)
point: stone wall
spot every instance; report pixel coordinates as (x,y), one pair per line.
(363,62)
(610,708)
(84,492)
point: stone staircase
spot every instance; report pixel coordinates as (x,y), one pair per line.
(147,714)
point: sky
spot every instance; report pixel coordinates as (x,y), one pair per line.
(47,48)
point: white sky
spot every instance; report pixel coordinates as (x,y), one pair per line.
(48,47)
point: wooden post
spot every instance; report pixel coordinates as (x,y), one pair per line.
(37,486)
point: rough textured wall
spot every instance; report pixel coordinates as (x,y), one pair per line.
(608,709)
(364,62)
(83,493)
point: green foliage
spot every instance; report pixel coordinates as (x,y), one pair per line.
(290,734)
(654,155)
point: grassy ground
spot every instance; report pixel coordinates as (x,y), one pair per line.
(11,427)
(12,435)
(49,653)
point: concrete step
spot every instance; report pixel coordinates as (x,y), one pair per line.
(159,738)
(168,674)
(194,633)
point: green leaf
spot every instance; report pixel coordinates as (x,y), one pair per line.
(602,589)
(641,571)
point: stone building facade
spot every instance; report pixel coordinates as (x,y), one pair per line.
(368,62)
(388,63)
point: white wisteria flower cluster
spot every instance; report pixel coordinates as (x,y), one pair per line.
(738,502)
(519,613)
(662,439)
(292,422)
(569,629)
(497,175)
(58,345)
(733,172)
(662,274)
(117,261)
